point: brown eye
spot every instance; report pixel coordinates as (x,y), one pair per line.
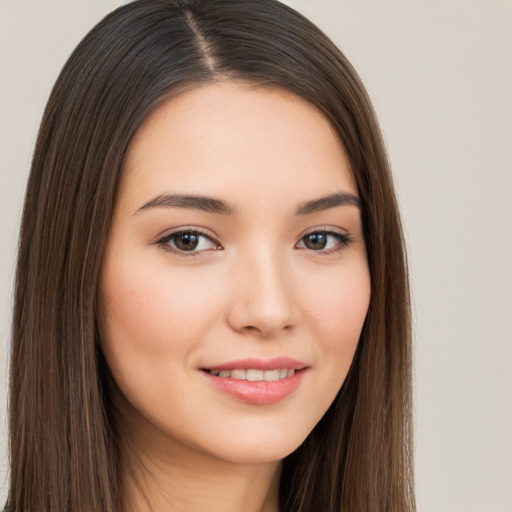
(191,241)
(325,241)
(316,241)
(186,241)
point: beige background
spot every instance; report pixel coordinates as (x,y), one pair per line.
(440,75)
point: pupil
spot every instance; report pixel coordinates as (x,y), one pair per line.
(187,241)
(316,241)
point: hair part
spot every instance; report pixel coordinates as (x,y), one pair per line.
(64,438)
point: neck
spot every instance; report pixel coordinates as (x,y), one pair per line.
(150,485)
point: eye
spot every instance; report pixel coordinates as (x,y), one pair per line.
(325,241)
(187,241)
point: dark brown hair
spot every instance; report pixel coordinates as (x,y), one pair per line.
(64,454)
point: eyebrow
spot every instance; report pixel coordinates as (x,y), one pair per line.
(327,202)
(202,203)
(218,206)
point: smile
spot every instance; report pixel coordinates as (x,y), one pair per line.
(255,381)
(254,375)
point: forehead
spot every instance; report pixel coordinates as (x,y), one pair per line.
(226,138)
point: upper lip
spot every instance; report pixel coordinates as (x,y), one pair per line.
(260,364)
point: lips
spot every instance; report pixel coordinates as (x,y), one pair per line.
(255,381)
(253,374)
(260,364)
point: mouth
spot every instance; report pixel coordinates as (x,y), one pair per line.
(254,375)
(256,381)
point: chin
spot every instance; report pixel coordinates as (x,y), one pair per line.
(260,448)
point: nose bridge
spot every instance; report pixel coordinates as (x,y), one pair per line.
(264,297)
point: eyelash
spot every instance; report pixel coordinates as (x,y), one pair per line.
(343,241)
(164,242)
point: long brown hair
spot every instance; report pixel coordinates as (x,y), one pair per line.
(63,446)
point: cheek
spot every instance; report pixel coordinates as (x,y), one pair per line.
(337,311)
(339,301)
(150,312)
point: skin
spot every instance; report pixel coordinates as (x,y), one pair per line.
(253,288)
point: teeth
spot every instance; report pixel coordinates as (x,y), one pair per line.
(271,375)
(239,374)
(254,375)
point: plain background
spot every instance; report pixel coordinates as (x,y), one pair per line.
(440,75)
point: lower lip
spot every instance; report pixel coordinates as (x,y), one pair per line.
(259,392)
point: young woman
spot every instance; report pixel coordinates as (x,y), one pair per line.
(211,307)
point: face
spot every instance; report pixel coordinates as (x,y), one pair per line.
(235,282)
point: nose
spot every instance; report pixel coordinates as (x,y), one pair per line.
(263,301)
